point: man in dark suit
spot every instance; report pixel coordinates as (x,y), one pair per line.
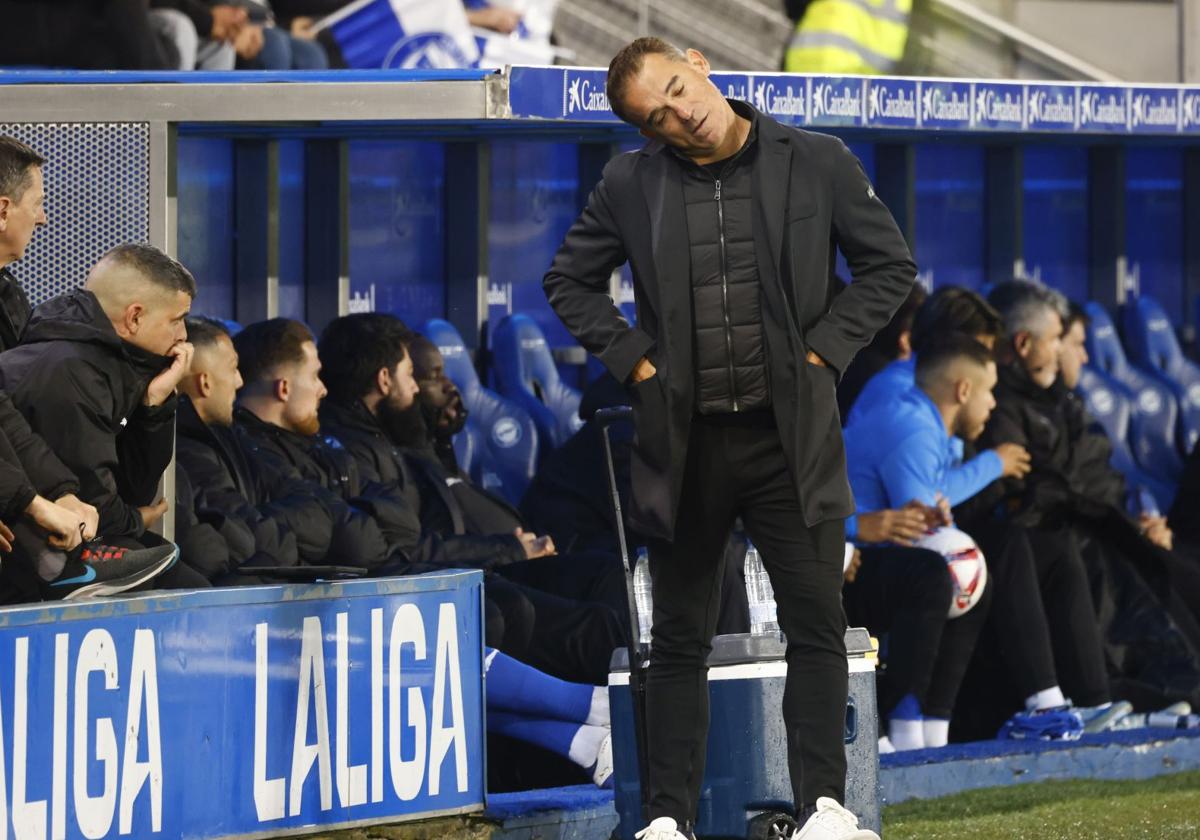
(728,221)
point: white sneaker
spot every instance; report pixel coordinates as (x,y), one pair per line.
(603,769)
(885,745)
(663,828)
(833,822)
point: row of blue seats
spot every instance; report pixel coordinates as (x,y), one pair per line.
(1146,394)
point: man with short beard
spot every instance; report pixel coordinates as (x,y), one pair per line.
(372,410)
(234,481)
(277,410)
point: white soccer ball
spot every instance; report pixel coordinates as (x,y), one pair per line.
(965,562)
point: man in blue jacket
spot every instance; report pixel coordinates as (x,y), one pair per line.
(899,456)
(903,452)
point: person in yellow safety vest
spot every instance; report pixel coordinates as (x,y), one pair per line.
(844,37)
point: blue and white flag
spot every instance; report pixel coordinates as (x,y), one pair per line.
(529,44)
(403,34)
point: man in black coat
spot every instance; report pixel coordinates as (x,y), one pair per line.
(728,221)
(22,211)
(290,518)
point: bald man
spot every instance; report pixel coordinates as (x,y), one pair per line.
(95,375)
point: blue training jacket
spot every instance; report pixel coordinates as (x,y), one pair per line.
(899,451)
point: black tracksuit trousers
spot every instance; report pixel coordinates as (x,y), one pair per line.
(736,466)
(906,593)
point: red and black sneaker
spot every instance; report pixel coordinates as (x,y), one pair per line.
(95,569)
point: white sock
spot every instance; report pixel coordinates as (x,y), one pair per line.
(937,731)
(598,712)
(906,734)
(585,746)
(1047,698)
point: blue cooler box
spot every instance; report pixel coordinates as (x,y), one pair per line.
(746,780)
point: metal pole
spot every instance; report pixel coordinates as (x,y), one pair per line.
(163,229)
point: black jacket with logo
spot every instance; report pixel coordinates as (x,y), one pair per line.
(81,388)
(235,479)
(445,538)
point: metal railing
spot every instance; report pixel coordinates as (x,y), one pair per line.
(948,37)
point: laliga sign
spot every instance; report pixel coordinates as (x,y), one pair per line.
(435,733)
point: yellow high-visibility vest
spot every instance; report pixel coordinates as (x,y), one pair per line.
(849,37)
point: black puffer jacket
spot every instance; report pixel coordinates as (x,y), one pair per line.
(445,541)
(371,523)
(81,388)
(235,479)
(1071,477)
(730,348)
(14,310)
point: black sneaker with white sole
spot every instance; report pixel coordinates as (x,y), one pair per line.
(94,570)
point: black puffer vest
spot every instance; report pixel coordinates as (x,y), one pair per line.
(730,347)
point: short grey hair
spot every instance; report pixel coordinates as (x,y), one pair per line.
(1025,306)
(160,269)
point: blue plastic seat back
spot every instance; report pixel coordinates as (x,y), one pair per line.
(526,373)
(1154,346)
(467,445)
(506,439)
(1109,404)
(1154,410)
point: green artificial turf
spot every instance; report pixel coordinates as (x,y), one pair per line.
(1162,808)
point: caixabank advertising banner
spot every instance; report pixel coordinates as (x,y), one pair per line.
(242,712)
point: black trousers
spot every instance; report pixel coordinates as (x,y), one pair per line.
(905,593)
(569,633)
(736,466)
(1042,621)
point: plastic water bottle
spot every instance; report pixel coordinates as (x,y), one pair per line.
(643,595)
(760,595)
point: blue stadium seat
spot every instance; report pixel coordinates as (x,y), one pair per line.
(1152,431)
(467,445)
(1153,345)
(526,373)
(1109,404)
(506,437)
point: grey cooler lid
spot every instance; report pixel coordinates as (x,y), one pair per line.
(743,648)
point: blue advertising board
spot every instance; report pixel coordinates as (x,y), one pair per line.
(928,105)
(242,712)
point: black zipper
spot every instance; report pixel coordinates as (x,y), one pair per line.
(725,294)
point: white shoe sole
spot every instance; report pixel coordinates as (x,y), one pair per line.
(99,589)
